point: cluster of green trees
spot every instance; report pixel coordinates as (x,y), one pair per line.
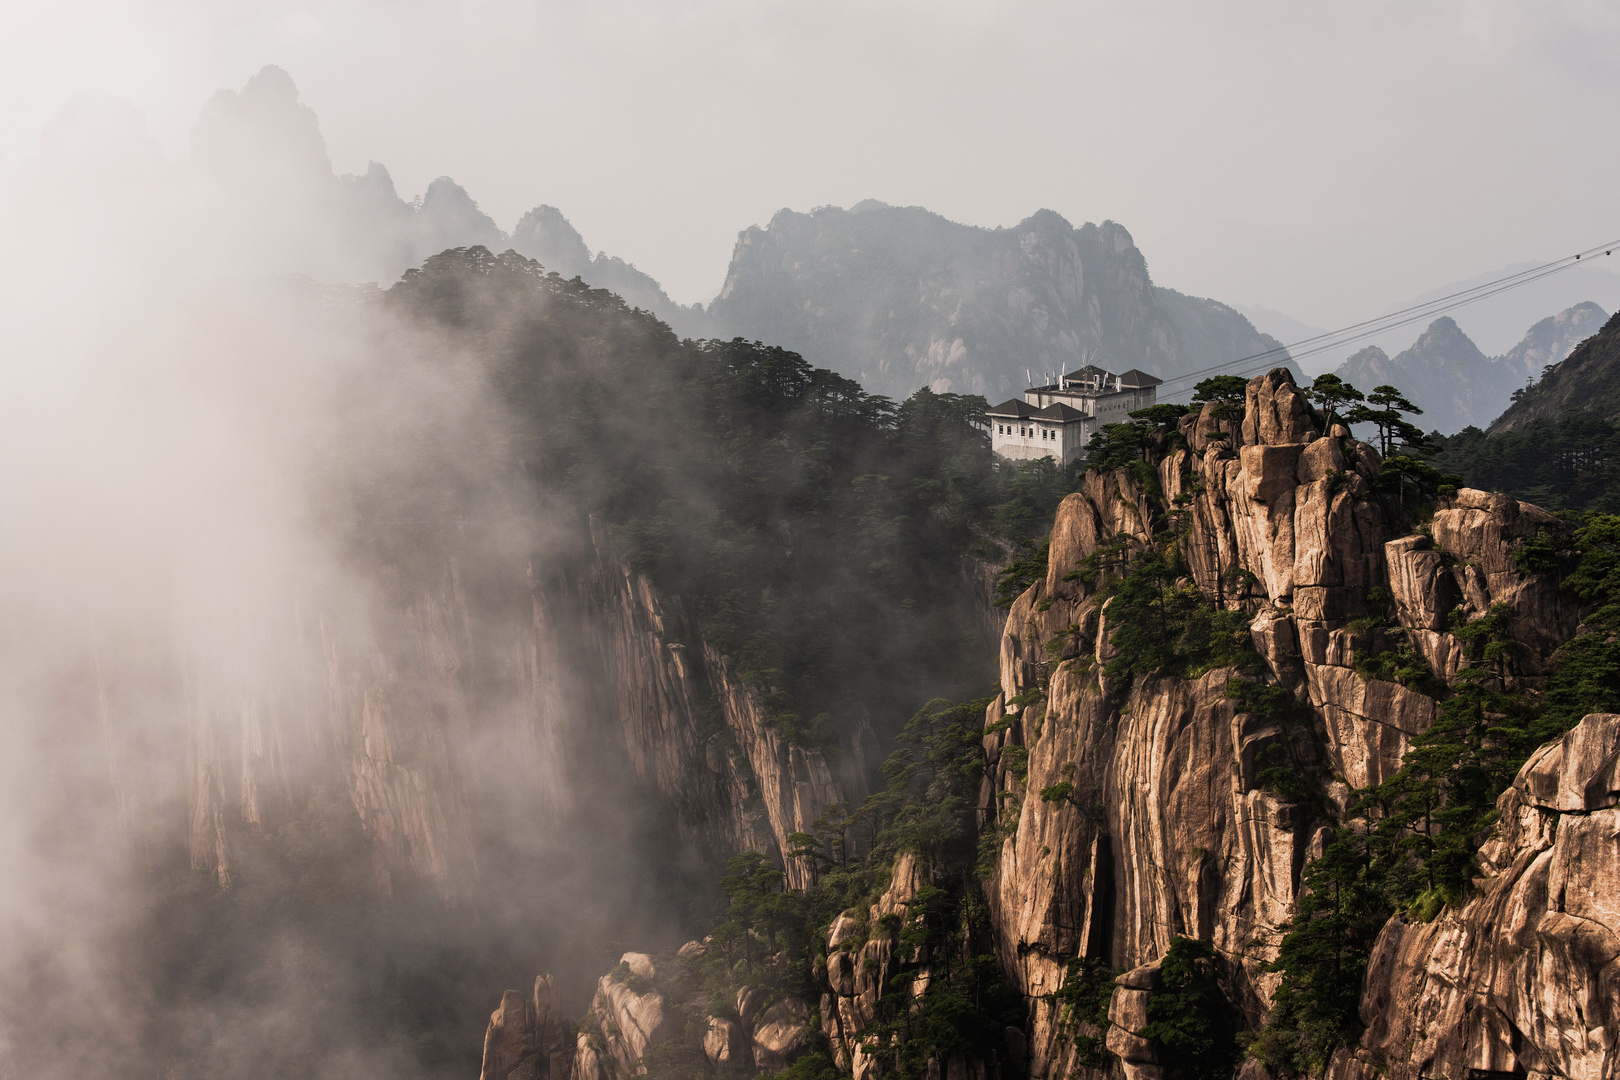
(1572,463)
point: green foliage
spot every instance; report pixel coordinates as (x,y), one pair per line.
(1118,445)
(1228,393)
(1083,999)
(817,1065)
(1160,416)
(1227,388)
(1330,393)
(1189,1017)
(762,917)
(1323,959)
(1386,409)
(1413,484)
(1572,463)
(1023,572)
(1160,622)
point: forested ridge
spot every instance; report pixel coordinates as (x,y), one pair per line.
(820,534)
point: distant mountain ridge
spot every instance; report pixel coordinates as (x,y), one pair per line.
(897,297)
(900,297)
(1456,384)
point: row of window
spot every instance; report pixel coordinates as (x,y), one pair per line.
(1026,432)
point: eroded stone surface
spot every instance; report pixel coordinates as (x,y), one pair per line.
(1525,977)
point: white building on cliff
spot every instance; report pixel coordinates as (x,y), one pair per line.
(1057,420)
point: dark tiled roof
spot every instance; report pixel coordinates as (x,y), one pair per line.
(1134,377)
(1012,407)
(1090,371)
(1059,411)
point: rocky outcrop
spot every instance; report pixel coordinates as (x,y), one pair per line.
(528,1039)
(1525,978)
(861,958)
(629,1010)
(1466,564)
(1132,814)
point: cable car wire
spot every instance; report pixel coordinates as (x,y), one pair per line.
(1393,320)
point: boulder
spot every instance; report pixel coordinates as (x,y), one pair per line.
(724,1040)
(781,1033)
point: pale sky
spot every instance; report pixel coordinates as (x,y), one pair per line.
(1322,159)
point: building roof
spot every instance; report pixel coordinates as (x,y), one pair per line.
(1087,373)
(1135,377)
(1059,411)
(1013,407)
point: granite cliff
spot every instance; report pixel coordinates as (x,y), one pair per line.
(1131,803)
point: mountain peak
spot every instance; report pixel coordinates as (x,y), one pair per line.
(1443,343)
(273,86)
(548,237)
(262,132)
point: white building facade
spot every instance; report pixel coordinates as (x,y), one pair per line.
(1058,420)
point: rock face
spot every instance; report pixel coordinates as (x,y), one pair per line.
(631,1018)
(861,958)
(528,1039)
(741,788)
(1467,562)
(899,298)
(1525,979)
(401,710)
(1155,821)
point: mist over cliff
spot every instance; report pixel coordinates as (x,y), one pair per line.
(373,650)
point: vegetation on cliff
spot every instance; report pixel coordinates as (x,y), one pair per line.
(817,532)
(1409,846)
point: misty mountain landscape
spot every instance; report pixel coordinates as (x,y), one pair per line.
(437,649)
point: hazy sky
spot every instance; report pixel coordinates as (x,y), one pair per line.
(1322,159)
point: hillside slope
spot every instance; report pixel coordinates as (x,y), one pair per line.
(1588,379)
